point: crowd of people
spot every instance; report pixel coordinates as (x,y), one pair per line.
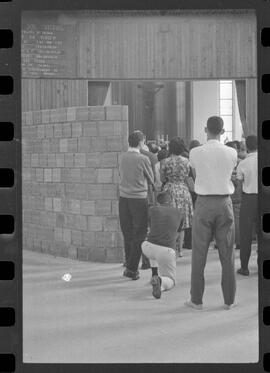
(173,197)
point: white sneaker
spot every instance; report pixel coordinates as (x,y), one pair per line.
(193,305)
(229,307)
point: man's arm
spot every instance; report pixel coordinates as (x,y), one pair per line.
(153,162)
(152,159)
(148,172)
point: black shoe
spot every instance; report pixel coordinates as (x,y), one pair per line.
(243,272)
(131,274)
(156,283)
(237,247)
(135,276)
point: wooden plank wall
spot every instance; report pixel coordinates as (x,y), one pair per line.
(187,46)
(252,106)
(134,45)
(128,93)
(40,94)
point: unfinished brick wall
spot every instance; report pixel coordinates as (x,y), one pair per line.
(70,181)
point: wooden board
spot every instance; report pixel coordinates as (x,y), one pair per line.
(188,45)
(48,48)
(39,94)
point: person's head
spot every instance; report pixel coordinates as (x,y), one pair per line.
(162,154)
(231,144)
(251,143)
(238,145)
(163,146)
(194,144)
(153,148)
(164,198)
(214,127)
(177,146)
(136,139)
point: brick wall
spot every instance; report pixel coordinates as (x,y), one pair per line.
(70,177)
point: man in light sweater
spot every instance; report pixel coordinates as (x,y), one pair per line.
(135,175)
(213,165)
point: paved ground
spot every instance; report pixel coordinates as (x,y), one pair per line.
(99,316)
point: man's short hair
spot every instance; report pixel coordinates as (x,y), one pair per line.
(215,125)
(164,197)
(135,138)
(251,143)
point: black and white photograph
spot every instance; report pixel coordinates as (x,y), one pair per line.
(140,186)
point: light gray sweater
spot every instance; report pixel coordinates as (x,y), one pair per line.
(135,173)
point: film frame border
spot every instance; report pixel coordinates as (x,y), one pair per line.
(10,189)
(11,196)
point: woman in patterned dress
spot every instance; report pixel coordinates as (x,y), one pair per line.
(174,173)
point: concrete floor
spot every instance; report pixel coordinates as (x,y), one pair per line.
(101,317)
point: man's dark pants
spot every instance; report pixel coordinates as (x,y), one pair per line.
(133,214)
(213,216)
(248,219)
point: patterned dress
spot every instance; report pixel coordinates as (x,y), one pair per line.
(174,171)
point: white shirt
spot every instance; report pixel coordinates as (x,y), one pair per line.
(214,164)
(247,171)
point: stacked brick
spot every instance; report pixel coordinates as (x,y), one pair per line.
(70,181)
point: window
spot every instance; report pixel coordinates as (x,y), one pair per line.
(226,108)
(99,93)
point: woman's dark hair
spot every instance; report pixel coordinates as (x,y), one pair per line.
(194,144)
(134,138)
(162,154)
(177,146)
(238,144)
(231,144)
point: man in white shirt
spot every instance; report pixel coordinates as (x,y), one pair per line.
(247,172)
(213,165)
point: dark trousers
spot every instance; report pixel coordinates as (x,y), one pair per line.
(133,214)
(187,239)
(248,219)
(188,232)
(213,216)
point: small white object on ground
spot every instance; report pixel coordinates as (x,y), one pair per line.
(66,277)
